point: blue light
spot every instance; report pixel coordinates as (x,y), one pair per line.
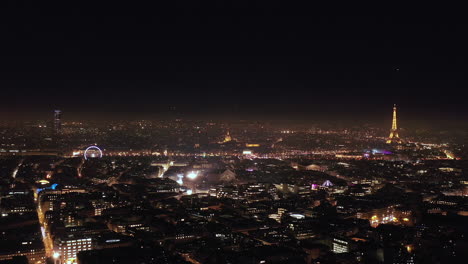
(52,187)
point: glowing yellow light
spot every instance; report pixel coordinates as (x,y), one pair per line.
(43,182)
(449,154)
(409,248)
(405,219)
(374,217)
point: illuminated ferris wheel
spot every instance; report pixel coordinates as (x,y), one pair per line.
(92,152)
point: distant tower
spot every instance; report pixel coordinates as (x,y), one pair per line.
(57,121)
(394,138)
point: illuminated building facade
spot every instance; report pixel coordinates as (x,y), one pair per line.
(33,254)
(340,246)
(387,215)
(68,247)
(394,137)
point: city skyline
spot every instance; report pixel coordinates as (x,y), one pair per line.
(274,132)
(412,121)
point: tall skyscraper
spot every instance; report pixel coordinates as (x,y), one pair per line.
(57,121)
(394,137)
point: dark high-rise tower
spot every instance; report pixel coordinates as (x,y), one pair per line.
(57,121)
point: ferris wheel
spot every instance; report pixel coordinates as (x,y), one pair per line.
(92,152)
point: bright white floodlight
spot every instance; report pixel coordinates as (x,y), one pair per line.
(192,175)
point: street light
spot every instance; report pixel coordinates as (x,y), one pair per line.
(56,256)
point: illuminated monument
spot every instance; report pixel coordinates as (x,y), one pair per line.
(228,137)
(394,138)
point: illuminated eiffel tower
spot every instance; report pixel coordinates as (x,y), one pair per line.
(394,137)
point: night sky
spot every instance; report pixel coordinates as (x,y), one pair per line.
(268,61)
